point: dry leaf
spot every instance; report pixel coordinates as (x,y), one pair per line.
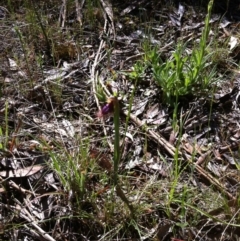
(153,111)
(22,172)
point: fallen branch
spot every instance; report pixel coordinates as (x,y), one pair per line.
(23,213)
(172,150)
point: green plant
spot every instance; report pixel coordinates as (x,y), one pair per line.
(1,138)
(72,170)
(112,106)
(185,74)
(138,70)
(100,93)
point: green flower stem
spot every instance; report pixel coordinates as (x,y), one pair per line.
(116,159)
(116,140)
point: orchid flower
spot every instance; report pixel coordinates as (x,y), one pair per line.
(108,108)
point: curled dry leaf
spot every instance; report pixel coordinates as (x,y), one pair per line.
(140,107)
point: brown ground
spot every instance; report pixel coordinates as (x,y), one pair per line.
(53,60)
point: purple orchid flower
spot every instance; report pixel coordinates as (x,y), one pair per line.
(107,109)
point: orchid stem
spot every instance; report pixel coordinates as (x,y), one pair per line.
(116,140)
(116,159)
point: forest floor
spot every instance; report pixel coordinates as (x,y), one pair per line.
(169,170)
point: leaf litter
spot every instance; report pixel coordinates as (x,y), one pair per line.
(57,107)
